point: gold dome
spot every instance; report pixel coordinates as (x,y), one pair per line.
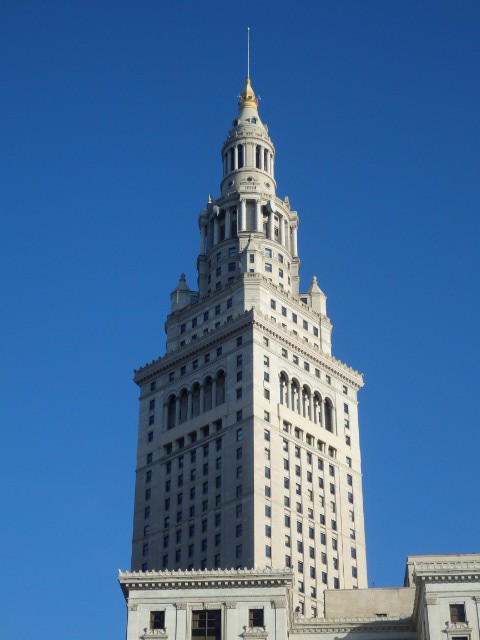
(247,98)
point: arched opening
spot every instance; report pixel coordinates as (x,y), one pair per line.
(328,415)
(220,399)
(195,400)
(284,389)
(257,156)
(208,394)
(183,405)
(171,412)
(317,408)
(295,399)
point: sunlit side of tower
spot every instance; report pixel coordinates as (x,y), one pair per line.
(248,445)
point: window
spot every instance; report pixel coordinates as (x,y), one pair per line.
(268,531)
(268,253)
(273,304)
(206,624)
(268,491)
(268,267)
(294,317)
(284,353)
(349,461)
(157,620)
(268,551)
(219,351)
(267,472)
(239,393)
(268,511)
(239,453)
(266,393)
(206,358)
(457,613)
(148,494)
(217,310)
(149,458)
(266,435)
(265,341)
(148,476)
(295,359)
(239,360)
(151,419)
(255,618)
(239,491)
(239,417)
(251,257)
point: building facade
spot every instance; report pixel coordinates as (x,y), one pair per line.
(248,519)
(248,447)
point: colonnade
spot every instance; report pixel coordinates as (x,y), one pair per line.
(248,155)
(233,219)
(189,403)
(306,403)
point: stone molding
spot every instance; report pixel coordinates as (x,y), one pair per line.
(207,579)
(151,634)
(258,633)
(349,625)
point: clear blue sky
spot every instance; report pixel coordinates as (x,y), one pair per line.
(112,118)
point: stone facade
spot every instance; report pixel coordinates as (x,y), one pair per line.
(441,599)
(248,519)
(248,448)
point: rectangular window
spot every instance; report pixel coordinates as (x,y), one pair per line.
(239,416)
(294,317)
(206,624)
(284,353)
(255,618)
(457,613)
(268,267)
(273,304)
(157,620)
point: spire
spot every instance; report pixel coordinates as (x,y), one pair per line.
(248,98)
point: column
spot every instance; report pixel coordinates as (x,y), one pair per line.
(322,413)
(269,225)
(202,239)
(241,215)
(282,231)
(294,248)
(215,230)
(189,405)
(258,216)
(214,393)
(235,157)
(201,403)
(315,409)
(309,406)
(267,163)
(177,411)
(289,393)
(181,626)
(228,223)
(271,166)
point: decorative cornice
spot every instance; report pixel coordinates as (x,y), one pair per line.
(211,579)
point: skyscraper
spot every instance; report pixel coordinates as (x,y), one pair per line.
(248,441)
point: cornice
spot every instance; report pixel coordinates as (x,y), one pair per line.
(327,362)
(161,364)
(207,579)
(349,625)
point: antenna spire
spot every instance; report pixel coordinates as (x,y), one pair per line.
(248,52)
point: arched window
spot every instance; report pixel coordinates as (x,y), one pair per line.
(284,389)
(317,408)
(295,404)
(208,394)
(232,159)
(195,400)
(265,159)
(171,412)
(258,150)
(220,399)
(328,416)
(183,405)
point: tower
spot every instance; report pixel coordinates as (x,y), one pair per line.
(248,442)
